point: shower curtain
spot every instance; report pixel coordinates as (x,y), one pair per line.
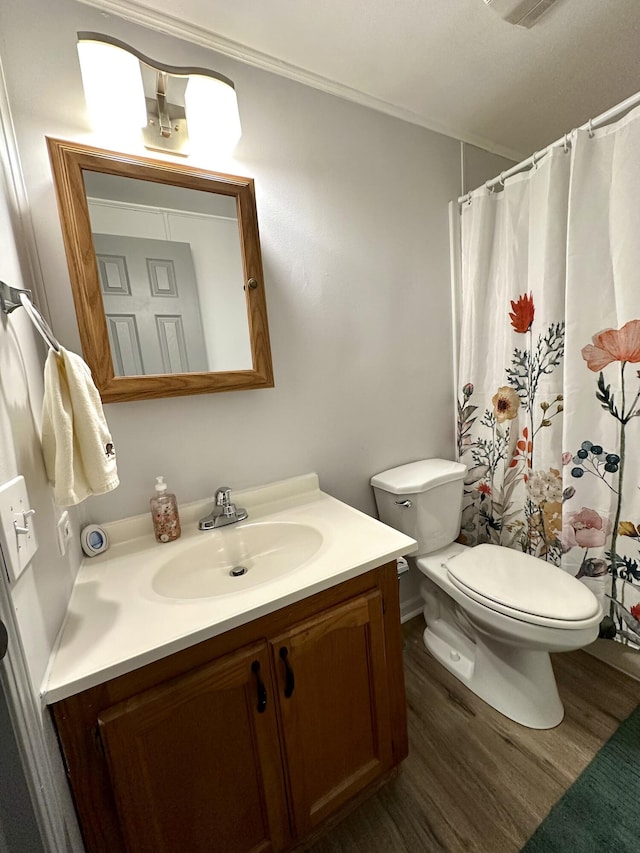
(548,410)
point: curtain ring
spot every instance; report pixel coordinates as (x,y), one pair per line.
(590,129)
(501,179)
(534,162)
(566,144)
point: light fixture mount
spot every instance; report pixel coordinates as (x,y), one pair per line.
(166,128)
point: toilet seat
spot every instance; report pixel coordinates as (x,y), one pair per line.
(523,587)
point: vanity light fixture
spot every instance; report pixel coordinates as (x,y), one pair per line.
(171,104)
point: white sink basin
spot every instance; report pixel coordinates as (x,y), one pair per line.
(214,565)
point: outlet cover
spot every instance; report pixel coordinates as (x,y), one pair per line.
(63,530)
(16,515)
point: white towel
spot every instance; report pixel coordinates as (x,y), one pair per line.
(76,443)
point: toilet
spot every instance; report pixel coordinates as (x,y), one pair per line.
(492,614)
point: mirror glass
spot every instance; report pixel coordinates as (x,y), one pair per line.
(166,274)
(170,269)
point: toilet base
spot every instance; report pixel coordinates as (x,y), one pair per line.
(517,682)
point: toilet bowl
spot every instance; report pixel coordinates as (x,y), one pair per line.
(492,614)
(485,629)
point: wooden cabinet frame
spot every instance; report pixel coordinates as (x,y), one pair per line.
(68,161)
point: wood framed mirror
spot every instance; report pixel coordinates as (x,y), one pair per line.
(166,273)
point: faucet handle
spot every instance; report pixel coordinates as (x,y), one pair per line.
(223,496)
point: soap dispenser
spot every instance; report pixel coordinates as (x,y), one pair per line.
(164,513)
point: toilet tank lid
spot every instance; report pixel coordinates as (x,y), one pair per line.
(418,476)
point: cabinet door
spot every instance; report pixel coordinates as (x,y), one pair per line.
(333,696)
(195,763)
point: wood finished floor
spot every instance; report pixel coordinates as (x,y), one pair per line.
(475,781)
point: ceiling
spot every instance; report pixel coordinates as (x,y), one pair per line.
(450,65)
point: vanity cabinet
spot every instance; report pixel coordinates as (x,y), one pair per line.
(248,741)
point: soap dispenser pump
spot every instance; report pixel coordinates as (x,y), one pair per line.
(164,513)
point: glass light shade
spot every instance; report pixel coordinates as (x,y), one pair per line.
(212,113)
(112,86)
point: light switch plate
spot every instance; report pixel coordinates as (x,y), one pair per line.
(16,514)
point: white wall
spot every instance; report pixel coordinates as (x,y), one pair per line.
(41,593)
(352,208)
(480,166)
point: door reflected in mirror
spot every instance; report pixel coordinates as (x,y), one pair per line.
(166,274)
(170,268)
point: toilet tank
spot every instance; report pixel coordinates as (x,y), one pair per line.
(422,499)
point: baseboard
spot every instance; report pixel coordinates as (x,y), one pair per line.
(616,655)
(409,609)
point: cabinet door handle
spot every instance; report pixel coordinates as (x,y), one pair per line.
(262,690)
(4,640)
(289,680)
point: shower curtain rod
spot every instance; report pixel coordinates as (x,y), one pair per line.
(592,124)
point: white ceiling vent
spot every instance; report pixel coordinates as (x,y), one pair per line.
(522,13)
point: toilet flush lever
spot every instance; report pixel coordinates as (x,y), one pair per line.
(406,503)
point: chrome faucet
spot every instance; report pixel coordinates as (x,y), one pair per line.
(223,513)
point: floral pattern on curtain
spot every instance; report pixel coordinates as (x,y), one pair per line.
(501,442)
(548,412)
(614,349)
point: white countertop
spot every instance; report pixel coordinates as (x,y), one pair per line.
(116,622)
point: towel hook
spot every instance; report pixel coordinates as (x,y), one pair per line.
(10,297)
